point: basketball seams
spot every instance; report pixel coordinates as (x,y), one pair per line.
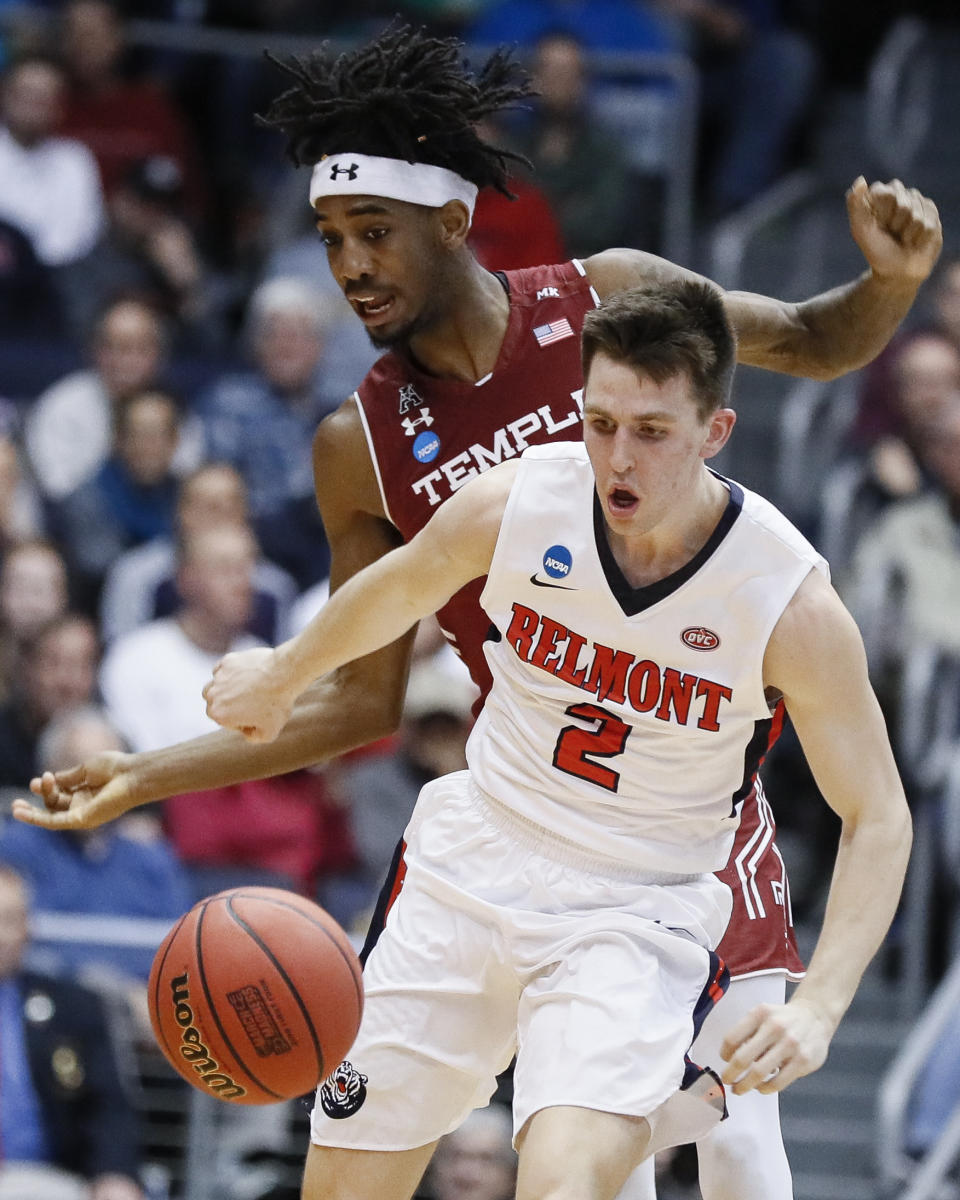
(171,938)
(317,924)
(215,1016)
(281,971)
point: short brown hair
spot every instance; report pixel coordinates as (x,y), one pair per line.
(677,328)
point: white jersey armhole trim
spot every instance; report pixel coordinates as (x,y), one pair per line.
(583,271)
(373,458)
(506,520)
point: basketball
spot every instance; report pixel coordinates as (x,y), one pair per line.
(255,995)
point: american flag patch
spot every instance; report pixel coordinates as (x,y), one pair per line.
(553,331)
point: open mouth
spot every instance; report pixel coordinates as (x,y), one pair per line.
(373,309)
(621,501)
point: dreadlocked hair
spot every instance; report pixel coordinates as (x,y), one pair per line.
(404,95)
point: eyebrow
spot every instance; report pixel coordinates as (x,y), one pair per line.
(655,415)
(358,210)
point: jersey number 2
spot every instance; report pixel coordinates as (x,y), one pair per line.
(577,747)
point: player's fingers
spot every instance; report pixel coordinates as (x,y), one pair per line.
(881,200)
(741,1066)
(49,791)
(31,814)
(926,225)
(741,1032)
(900,213)
(789,1073)
(766,1065)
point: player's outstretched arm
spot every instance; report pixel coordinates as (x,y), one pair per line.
(357,705)
(254,691)
(816,658)
(897,229)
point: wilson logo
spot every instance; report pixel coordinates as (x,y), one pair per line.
(699,638)
(192,1047)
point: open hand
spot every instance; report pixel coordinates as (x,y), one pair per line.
(85,796)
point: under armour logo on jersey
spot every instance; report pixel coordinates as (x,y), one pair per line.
(547,293)
(410,423)
(409,398)
(350,172)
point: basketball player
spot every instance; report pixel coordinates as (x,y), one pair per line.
(647,617)
(482,366)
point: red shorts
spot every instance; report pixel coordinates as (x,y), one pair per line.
(760,934)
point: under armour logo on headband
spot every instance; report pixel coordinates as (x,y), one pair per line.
(392,178)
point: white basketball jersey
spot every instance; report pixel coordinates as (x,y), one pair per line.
(630,721)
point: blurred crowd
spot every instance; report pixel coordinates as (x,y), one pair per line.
(170,336)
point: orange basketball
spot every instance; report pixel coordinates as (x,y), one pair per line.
(255,995)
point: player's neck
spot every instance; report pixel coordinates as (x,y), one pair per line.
(465,342)
(655,554)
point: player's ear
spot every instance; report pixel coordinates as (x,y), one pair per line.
(719,427)
(454,224)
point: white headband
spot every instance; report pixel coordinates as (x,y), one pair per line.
(392,178)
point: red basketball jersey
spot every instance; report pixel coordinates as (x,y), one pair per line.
(428,436)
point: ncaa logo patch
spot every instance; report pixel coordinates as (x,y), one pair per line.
(557,562)
(344,1092)
(426,447)
(697,637)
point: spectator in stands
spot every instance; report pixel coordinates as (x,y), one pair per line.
(624,25)
(126,870)
(379,789)
(123,120)
(58,671)
(30,304)
(33,592)
(476,1161)
(149,249)
(758,78)
(151,678)
(506,234)
(273,830)
(881,424)
(263,422)
(49,186)
(69,428)
(924,377)
(130,500)
(908,562)
(21,517)
(141,584)
(63,1107)
(578,163)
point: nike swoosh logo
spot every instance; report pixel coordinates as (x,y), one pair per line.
(540,583)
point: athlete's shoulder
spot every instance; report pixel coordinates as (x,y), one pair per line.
(552,281)
(763,518)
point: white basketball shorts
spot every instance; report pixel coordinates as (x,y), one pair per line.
(506,940)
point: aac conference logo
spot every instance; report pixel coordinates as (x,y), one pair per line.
(557,562)
(426,447)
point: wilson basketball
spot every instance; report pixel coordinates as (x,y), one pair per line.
(255,995)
